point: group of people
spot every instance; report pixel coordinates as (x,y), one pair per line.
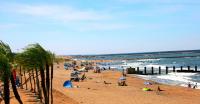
(190,86)
(75,76)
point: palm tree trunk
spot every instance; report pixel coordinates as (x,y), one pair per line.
(38,85)
(6,89)
(47,82)
(33,81)
(43,84)
(51,83)
(30,81)
(21,86)
(17,96)
(25,79)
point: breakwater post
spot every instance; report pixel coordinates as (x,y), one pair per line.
(145,70)
(166,70)
(138,70)
(152,71)
(188,68)
(159,70)
(195,68)
(181,68)
(174,69)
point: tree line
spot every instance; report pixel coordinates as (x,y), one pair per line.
(36,63)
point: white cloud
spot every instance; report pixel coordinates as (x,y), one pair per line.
(75,18)
(162,1)
(7,26)
(103,26)
(62,13)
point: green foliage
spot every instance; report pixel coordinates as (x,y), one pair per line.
(5,50)
(34,56)
(6,57)
(4,66)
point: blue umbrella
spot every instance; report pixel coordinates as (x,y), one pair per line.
(67,84)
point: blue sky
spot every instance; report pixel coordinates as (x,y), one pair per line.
(101,26)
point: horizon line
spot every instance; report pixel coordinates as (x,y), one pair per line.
(133,52)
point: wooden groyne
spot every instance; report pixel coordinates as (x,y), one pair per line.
(157,71)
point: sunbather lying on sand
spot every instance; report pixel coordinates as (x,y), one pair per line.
(106,83)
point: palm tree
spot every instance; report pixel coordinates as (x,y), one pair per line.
(50,58)
(25,80)
(34,56)
(38,85)
(29,73)
(4,67)
(20,71)
(27,60)
(51,83)
(33,75)
(8,57)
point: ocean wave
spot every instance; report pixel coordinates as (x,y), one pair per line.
(178,79)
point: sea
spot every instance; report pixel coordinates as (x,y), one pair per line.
(155,59)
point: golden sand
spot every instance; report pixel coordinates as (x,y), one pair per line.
(94,91)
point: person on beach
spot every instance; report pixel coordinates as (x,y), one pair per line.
(122,81)
(17,81)
(195,86)
(75,75)
(123,73)
(83,77)
(189,85)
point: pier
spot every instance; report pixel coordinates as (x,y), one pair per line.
(159,70)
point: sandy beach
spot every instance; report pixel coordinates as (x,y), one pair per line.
(94,91)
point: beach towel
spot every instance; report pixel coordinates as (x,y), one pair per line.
(147,83)
(67,84)
(146,89)
(122,78)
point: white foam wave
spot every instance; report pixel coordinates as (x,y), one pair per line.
(180,79)
(148,60)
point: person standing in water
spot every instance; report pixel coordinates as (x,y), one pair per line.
(189,85)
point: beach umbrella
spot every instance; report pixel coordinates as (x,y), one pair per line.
(67,84)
